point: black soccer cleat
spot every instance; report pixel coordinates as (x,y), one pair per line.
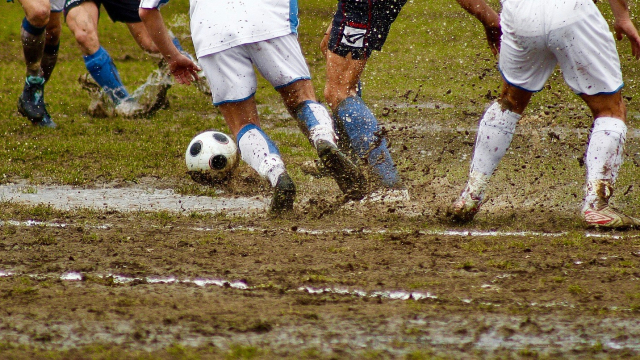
(46,121)
(346,174)
(31,102)
(283,195)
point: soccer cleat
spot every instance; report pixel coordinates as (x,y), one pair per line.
(46,121)
(101,105)
(346,174)
(598,213)
(464,208)
(283,195)
(610,218)
(130,108)
(31,102)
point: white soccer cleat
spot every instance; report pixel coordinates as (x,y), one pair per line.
(610,218)
(598,213)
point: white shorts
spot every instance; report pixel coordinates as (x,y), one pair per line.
(57,5)
(538,34)
(232,78)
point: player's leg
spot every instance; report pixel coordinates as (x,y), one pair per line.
(316,123)
(599,85)
(281,62)
(141,36)
(495,132)
(233,84)
(51,44)
(32,33)
(603,160)
(357,29)
(82,19)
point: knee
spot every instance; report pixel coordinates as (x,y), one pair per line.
(39,17)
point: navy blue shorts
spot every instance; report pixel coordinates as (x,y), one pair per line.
(125,11)
(361,26)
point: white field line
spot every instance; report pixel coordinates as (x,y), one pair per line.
(73,276)
(454,233)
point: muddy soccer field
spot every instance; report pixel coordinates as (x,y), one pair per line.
(109,250)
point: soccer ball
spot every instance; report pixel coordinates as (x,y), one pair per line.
(211,154)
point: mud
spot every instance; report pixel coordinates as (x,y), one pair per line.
(145,269)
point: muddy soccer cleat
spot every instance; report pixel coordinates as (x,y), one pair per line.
(464,208)
(31,102)
(283,195)
(101,106)
(598,213)
(46,121)
(609,218)
(346,174)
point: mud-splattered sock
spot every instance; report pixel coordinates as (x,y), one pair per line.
(104,72)
(495,133)
(315,120)
(360,126)
(49,60)
(33,38)
(604,154)
(260,152)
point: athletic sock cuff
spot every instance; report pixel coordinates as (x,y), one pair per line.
(99,57)
(51,49)
(31,29)
(610,124)
(505,120)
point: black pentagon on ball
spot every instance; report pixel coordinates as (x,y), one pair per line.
(218,162)
(195,148)
(221,138)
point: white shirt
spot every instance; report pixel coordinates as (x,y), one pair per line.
(218,25)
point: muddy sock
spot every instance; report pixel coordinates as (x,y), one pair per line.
(495,133)
(104,72)
(315,120)
(604,153)
(49,60)
(360,126)
(33,38)
(260,152)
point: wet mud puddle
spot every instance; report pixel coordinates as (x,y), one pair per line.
(127,199)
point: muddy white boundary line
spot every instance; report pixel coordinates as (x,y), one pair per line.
(401,295)
(452,233)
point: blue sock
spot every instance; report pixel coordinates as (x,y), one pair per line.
(360,125)
(305,114)
(104,72)
(33,30)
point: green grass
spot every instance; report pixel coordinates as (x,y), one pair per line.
(435,52)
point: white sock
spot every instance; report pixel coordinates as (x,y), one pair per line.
(495,133)
(259,151)
(604,153)
(315,117)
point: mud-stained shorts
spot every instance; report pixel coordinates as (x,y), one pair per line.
(125,11)
(361,26)
(537,35)
(232,77)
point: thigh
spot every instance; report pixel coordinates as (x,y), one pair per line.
(230,74)
(125,11)
(587,54)
(279,60)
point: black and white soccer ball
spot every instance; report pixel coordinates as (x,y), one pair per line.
(211,154)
